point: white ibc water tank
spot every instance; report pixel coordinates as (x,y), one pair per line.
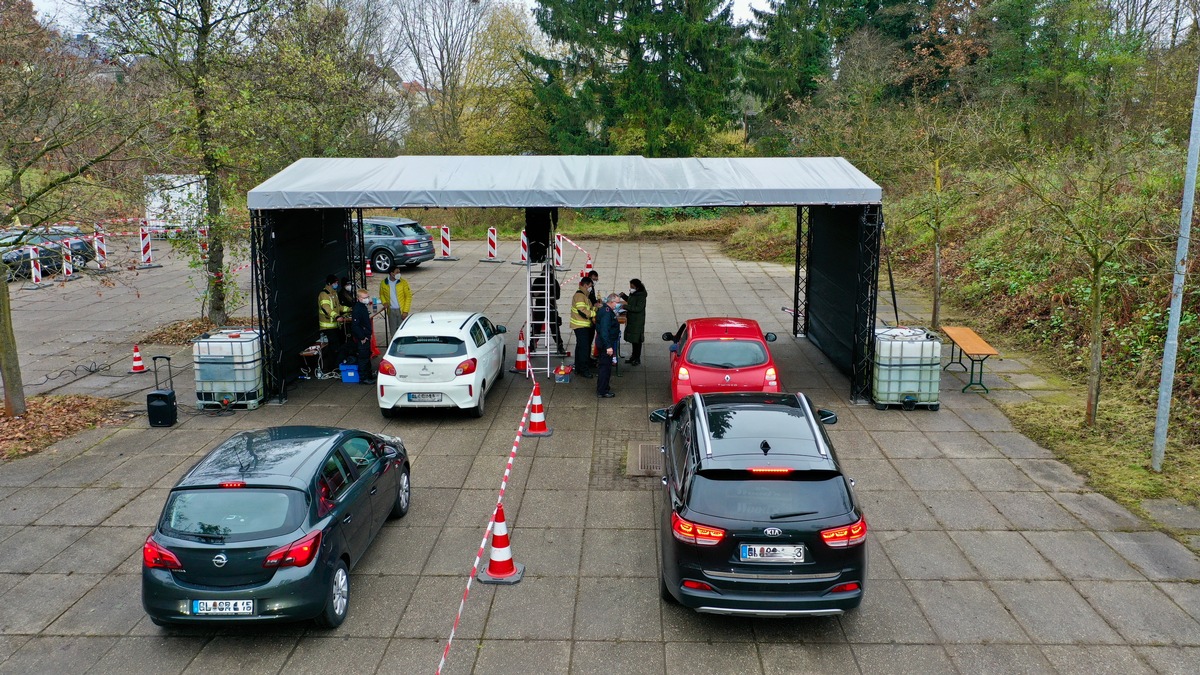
(907,369)
(229,369)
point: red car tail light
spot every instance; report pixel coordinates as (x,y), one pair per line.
(843,537)
(157,557)
(296,554)
(386,368)
(771,377)
(682,374)
(466,367)
(233,484)
(695,533)
(696,585)
(410,242)
(769,471)
(845,588)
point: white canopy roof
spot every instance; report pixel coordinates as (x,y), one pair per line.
(565,181)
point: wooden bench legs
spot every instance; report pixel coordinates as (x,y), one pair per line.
(976,377)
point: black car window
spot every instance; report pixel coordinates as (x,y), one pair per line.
(410,231)
(335,476)
(232,514)
(359,451)
(427,346)
(489,330)
(727,353)
(739,496)
(477,335)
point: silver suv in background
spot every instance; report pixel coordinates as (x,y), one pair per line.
(396,241)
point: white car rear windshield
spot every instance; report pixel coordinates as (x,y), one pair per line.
(427,347)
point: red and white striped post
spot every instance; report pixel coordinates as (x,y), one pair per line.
(147,254)
(445,256)
(101,248)
(524,250)
(491,248)
(68,261)
(35,268)
(558,256)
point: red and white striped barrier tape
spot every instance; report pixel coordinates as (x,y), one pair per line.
(486,533)
(568,240)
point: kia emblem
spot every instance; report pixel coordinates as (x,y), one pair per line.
(219,559)
(772,531)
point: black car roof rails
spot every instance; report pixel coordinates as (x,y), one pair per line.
(811,416)
(703,417)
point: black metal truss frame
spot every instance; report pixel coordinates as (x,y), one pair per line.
(263,274)
(356,250)
(870,237)
(800,293)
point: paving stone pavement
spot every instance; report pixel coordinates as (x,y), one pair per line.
(986,554)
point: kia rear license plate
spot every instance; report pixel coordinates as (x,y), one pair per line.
(425,398)
(773,552)
(222,607)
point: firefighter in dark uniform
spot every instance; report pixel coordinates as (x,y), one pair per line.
(361,330)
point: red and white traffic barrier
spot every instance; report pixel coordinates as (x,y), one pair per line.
(491,248)
(558,251)
(487,532)
(524,250)
(445,256)
(101,247)
(147,254)
(35,267)
(68,260)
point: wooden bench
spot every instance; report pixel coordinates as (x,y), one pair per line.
(966,342)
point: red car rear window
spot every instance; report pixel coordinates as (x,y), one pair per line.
(727,353)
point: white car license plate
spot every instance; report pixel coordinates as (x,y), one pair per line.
(772,552)
(425,398)
(222,607)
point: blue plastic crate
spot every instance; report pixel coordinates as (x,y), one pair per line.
(349,372)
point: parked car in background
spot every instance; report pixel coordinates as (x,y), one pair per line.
(721,354)
(441,359)
(396,241)
(267,526)
(757,518)
(14,245)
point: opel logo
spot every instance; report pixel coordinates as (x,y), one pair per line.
(219,559)
(772,531)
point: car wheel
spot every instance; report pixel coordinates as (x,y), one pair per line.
(478,410)
(390,413)
(662,589)
(337,602)
(382,261)
(403,495)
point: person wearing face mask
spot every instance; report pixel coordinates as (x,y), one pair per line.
(396,295)
(635,319)
(362,331)
(608,336)
(331,314)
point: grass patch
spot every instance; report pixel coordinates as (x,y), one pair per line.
(50,419)
(1114,456)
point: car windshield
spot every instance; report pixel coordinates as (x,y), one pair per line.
(802,496)
(233,514)
(427,347)
(727,353)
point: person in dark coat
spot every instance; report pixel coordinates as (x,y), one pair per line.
(362,331)
(608,337)
(635,319)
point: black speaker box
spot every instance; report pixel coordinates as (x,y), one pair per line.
(160,403)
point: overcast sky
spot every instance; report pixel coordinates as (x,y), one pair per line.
(60,8)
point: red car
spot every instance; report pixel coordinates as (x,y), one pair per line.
(721,354)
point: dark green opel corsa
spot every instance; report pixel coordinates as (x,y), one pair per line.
(268,525)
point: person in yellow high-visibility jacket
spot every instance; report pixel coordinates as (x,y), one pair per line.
(396,295)
(582,315)
(331,315)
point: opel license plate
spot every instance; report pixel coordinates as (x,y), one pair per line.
(425,398)
(222,607)
(773,552)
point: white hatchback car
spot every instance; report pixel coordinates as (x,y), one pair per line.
(441,360)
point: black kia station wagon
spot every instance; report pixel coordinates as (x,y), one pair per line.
(758,518)
(267,526)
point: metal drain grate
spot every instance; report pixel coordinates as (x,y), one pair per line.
(644,459)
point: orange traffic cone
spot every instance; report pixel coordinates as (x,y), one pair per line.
(501,569)
(369,273)
(587,268)
(138,366)
(522,365)
(537,415)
